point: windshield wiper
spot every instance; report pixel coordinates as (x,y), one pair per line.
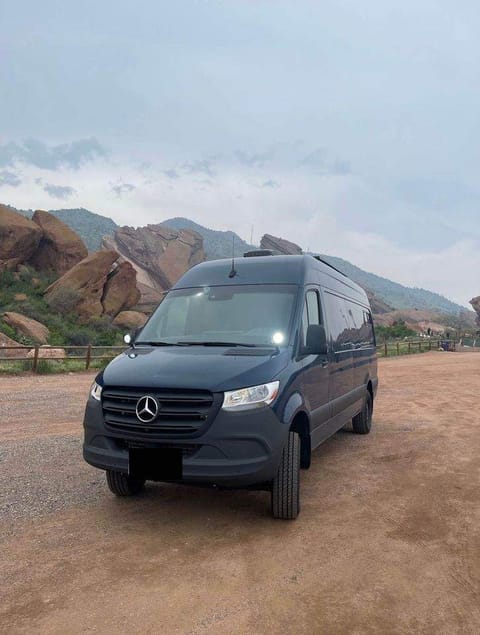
(156,343)
(188,343)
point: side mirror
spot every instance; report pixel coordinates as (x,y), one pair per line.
(316,340)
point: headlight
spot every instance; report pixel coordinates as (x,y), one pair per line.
(96,391)
(253,397)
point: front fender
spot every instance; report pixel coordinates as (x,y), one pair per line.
(294,404)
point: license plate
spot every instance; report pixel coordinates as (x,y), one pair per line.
(155,464)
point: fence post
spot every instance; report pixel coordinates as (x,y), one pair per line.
(420,346)
(35,360)
(386,349)
(398,348)
(409,348)
(88,357)
(429,345)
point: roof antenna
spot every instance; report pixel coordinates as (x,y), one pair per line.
(233,273)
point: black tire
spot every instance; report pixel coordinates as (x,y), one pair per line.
(362,423)
(123,485)
(286,484)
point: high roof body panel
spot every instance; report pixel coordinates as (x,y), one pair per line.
(299,270)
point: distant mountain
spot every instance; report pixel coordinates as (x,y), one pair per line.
(216,244)
(89,226)
(396,294)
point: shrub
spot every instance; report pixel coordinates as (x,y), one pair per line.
(64,301)
(7,330)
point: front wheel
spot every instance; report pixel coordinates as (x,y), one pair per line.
(286,484)
(121,484)
(362,423)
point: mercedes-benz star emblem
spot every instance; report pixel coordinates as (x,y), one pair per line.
(147,409)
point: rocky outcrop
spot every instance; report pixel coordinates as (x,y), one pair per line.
(475,302)
(60,248)
(27,327)
(102,287)
(7,341)
(88,279)
(280,245)
(47,352)
(130,320)
(150,298)
(160,255)
(120,291)
(19,238)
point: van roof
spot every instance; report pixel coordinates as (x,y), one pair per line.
(300,270)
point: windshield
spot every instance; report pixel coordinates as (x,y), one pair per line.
(257,315)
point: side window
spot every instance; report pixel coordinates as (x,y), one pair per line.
(339,322)
(311,314)
(363,325)
(313,309)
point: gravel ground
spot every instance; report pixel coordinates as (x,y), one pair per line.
(47,478)
(388,540)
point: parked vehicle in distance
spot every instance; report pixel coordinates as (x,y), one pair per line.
(239,374)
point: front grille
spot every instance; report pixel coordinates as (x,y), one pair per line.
(182,412)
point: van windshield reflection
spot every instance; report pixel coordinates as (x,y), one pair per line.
(233,315)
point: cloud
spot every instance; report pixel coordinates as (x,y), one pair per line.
(9,178)
(201,166)
(270,183)
(172,174)
(320,161)
(123,188)
(62,192)
(254,159)
(37,153)
(316,159)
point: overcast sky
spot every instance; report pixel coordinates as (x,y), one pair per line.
(349,127)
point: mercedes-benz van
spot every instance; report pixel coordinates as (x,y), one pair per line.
(240,373)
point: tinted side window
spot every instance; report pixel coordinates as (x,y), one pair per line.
(313,308)
(340,324)
(362,320)
(311,314)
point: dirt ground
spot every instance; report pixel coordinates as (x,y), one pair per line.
(388,539)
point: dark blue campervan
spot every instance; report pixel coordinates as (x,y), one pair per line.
(239,374)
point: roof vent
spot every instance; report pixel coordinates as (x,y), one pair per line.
(258,252)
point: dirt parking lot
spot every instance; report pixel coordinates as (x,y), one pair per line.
(388,540)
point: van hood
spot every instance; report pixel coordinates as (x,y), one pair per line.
(199,367)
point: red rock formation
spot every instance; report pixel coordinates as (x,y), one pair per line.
(7,341)
(160,255)
(87,279)
(130,320)
(120,291)
(19,238)
(26,326)
(101,288)
(280,245)
(60,247)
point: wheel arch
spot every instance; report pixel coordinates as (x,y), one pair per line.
(301,425)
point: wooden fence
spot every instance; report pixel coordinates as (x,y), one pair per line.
(68,353)
(89,355)
(408,347)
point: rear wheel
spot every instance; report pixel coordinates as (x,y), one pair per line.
(286,484)
(362,423)
(123,485)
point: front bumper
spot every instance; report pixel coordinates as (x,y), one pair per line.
(238,449)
